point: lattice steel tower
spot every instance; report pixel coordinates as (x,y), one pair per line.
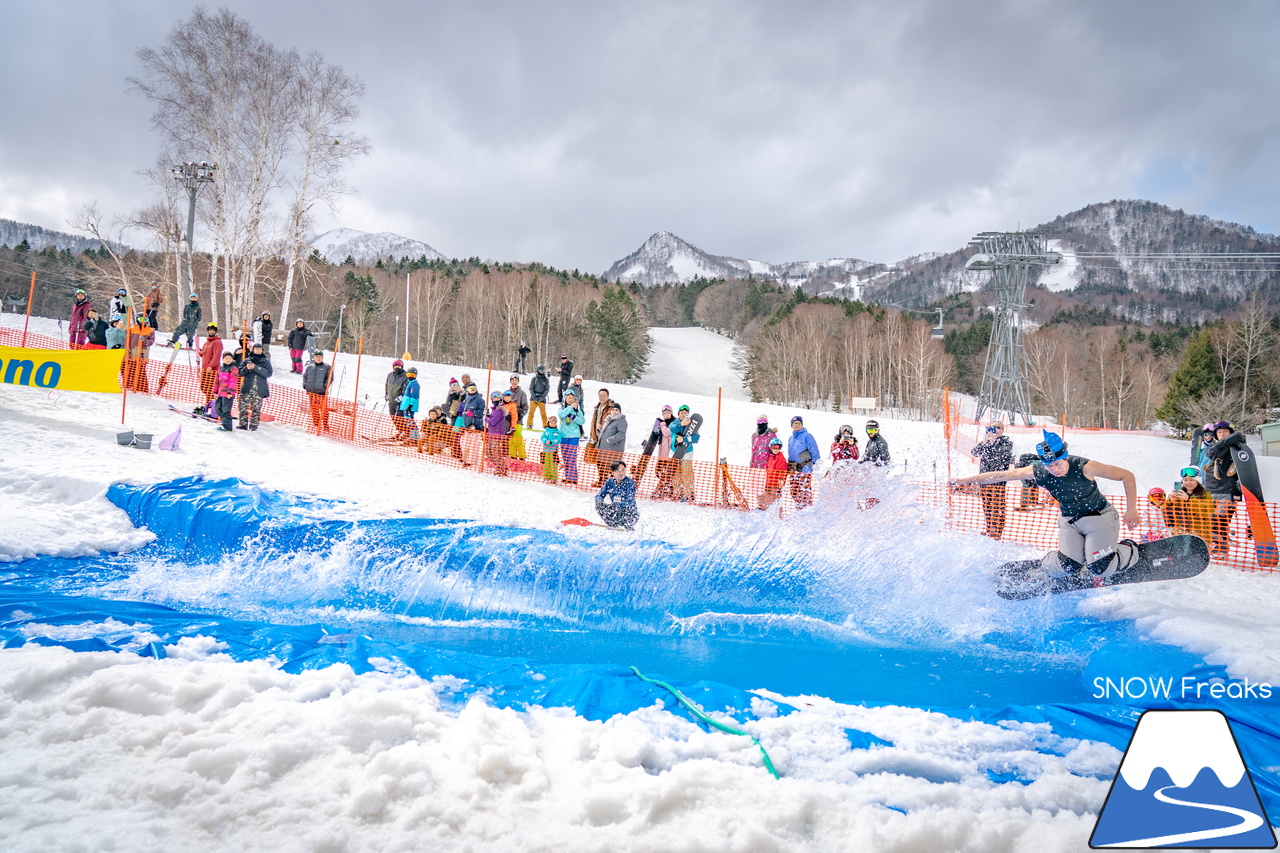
(1010,256)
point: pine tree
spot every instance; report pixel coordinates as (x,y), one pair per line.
(1197,374)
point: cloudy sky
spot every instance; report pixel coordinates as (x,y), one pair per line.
(569,132)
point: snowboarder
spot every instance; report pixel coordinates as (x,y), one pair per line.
(1089,528)
(191,316)
(538,388)
(298,344)
(566,372)
(877,452)
(254,370)
(121,306)
(994,453)
(1223,483)
(522,353)
(684,435)
(79,313)
(616,500)
(262,331)
(802,456)
(315,381)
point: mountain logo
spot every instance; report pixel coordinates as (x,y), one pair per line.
(1182,782)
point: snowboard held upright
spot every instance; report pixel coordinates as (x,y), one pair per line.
(1173,558)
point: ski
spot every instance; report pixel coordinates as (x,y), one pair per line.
(1264,537)
(1173,558)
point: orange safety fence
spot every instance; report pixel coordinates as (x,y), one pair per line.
(698,481)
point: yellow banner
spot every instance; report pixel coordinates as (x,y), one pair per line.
(67,370)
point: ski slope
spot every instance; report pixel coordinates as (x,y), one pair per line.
(197,751)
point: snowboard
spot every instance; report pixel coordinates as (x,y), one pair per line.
(1173,558)
(696,421)
(235,415)
(1264,537)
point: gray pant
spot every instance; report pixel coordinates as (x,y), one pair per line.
(1081,538)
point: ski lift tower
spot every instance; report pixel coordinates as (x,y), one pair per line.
(1010,256)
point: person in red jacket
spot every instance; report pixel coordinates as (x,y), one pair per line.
(210,361)
(845,446)
(79,313)
(775,474)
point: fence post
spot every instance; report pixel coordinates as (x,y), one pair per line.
(488,386)
(719,392)
(355,404)
(31,294)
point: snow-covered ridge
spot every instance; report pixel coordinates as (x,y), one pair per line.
(334,246)
(666,258)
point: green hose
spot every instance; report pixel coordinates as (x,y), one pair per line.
(697,712)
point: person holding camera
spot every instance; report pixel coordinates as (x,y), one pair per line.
(845,446)
(802,456)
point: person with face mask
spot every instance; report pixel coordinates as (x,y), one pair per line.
(1089,527)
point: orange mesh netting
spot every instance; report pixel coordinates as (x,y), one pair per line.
(701,481)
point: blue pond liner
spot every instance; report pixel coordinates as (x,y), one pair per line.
(532,617)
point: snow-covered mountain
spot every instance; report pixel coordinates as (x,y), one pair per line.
(665,258)
(334,246)
(12,233)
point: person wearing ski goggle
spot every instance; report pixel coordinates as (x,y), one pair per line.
(1089,528)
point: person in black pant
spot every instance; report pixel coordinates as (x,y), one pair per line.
(522,353)
(566,374)
(994,453)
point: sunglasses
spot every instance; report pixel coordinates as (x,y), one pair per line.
(1190,472)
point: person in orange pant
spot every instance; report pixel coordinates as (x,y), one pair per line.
(315,381)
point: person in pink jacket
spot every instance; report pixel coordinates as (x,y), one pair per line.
(226,384)
(760,442)
(79,311)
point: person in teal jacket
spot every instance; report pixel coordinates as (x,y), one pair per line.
(551,450)
(115,335)
(571,418)
(410,400)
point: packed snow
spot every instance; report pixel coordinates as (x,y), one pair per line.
(196,751)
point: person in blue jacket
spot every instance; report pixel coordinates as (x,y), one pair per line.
(410,400)
(571,420)
(616,500)
(473,409)
(802,456)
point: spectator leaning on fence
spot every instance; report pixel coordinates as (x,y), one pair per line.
(994,453)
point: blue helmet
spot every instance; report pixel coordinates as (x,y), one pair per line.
(1052,448)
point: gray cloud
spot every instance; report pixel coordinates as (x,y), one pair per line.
(568,132)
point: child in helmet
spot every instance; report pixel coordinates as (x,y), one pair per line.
(551,450)
(497,425)
(775,475)
(409,403)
